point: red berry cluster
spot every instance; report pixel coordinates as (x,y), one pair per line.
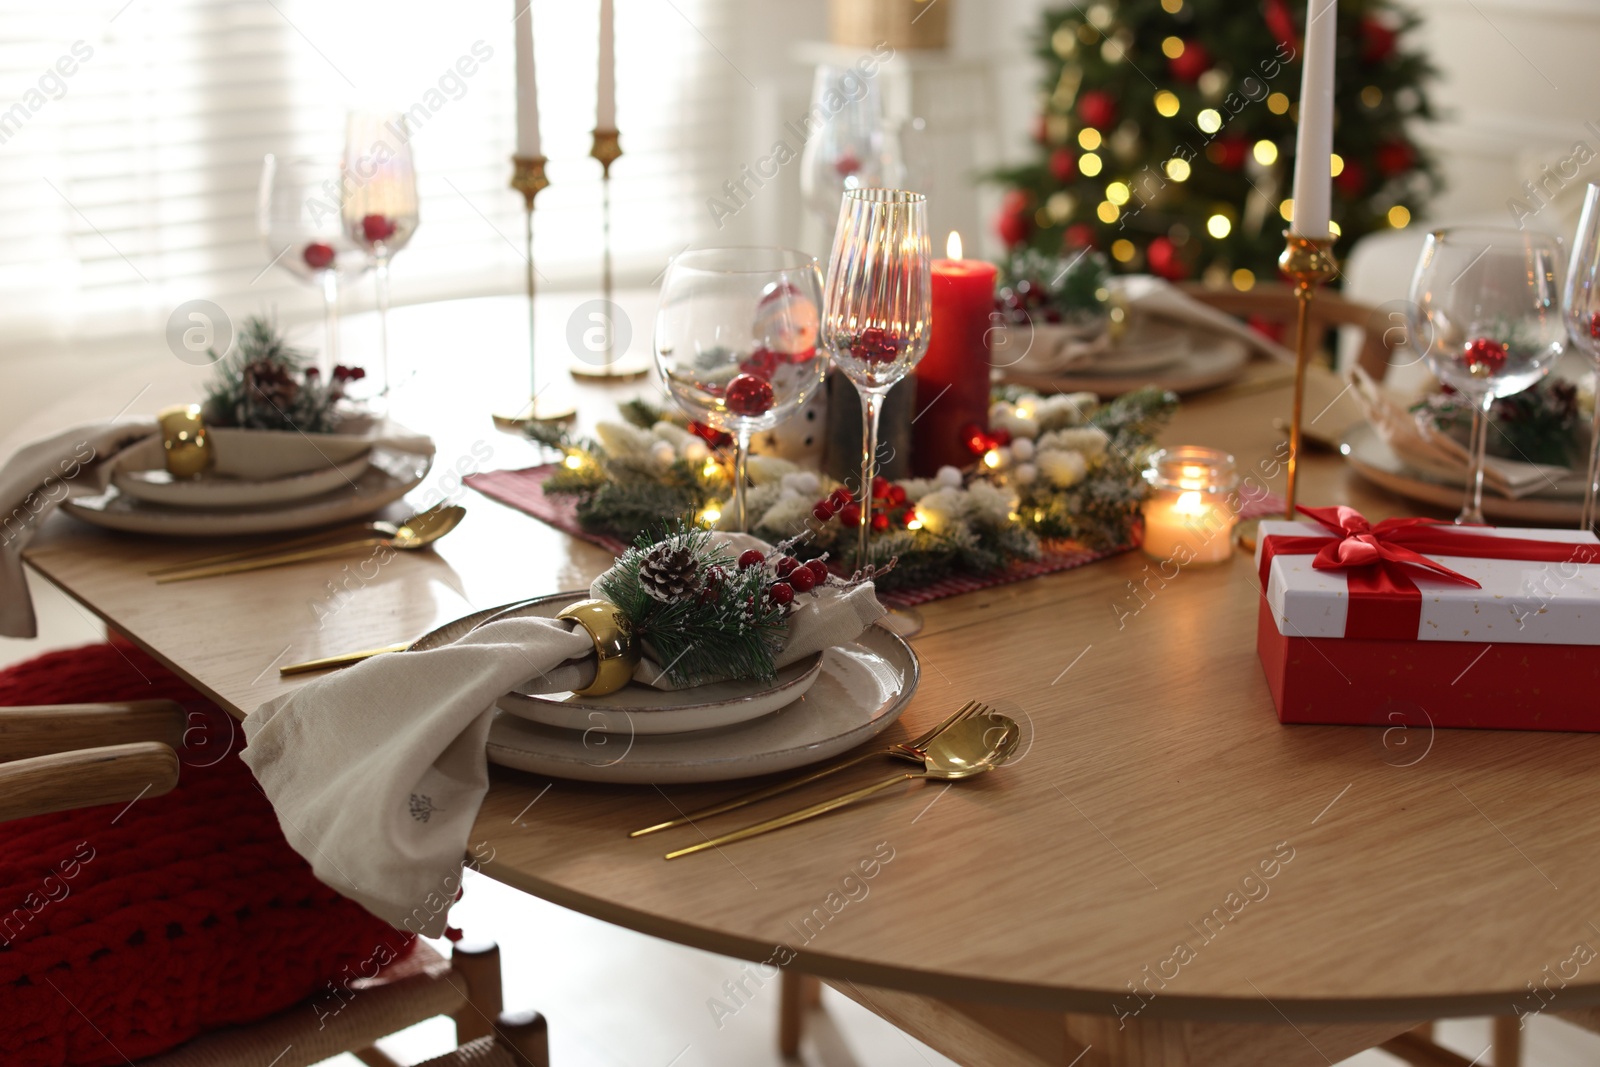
(874,345)
(710,435)
(377,227)
(889,506)
(978,440)
(793,576)
(1484,353)
(317,255)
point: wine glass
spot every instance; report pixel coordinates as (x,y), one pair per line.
(1580,304)
(854,147)
(380,202)
(735,341)
(876,315)
(1487,301)
(299,217)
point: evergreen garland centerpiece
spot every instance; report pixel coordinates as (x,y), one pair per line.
(1166,133)
(1052,469)
(703,612)
(268,385)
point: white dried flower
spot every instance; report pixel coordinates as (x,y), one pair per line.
(1063,469)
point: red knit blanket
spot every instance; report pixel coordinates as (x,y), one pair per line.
(128,929)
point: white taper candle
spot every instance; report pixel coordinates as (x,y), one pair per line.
(527,89)
(1313,157)
(606,114)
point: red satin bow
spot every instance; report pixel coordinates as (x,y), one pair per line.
(1385,603)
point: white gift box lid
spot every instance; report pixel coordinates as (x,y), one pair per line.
(1521,602)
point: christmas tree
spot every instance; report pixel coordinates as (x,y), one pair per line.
(1166,134)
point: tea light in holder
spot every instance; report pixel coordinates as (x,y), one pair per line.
(1187,516)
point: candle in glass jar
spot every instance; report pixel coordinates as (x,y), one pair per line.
(953,378)
(1188,516)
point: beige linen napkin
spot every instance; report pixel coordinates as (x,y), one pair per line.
(377,771)
(1149,295)
(75,462)
(1415,439)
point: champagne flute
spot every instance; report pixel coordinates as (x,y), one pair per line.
(1488,300)
(877,310)
(736,342)
(380,202)
(1580,304)
(299,218)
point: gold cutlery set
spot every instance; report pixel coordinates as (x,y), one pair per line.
(972,740)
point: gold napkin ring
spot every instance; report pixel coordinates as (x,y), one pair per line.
(183,440)
(615,651)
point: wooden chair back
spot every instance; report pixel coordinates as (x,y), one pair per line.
(1275,302)
(60,757)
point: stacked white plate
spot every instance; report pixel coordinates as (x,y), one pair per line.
(348,484)
(812,710)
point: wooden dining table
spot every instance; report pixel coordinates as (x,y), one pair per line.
(1163,874)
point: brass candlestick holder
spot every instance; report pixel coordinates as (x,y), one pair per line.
(527,178)
(1308,262)
(608,149)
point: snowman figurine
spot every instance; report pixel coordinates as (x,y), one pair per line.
(786,328)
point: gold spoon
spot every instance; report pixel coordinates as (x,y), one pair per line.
(418,533)
(337,535)
(965,750)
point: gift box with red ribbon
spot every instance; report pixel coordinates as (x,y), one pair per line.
(1414,622)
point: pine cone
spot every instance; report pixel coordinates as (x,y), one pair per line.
(270,384)
(668,572)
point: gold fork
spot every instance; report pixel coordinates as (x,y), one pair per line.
(906,750)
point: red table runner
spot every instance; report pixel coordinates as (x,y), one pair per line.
(524,490)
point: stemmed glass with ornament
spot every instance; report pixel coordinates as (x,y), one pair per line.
(300,223)
(877,314)
(380,203)
(1487,304)
(1581,306)
(736,342)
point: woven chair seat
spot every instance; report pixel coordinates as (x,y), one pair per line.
(484,1052)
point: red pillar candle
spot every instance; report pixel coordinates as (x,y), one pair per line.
(953,378)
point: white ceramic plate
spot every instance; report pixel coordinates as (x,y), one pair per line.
(1375,461)
(1210,362)
(639,709)
(390,476)
(141,473)
(859,692)
(1147,346)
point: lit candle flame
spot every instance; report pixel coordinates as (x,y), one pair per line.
(1189,503)
(952,247)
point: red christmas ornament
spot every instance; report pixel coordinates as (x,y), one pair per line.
(1229,152)
(1164,260)
(751,557)
(880,486)
(897,495)
(1377,41)
(1193,62)
(1278,19)
(1352,180)
(317,255)
(803,579)
(780,593)
(850,514)
(880,521)
(1097,108)
(749,395)
(1063,165)
(377,228)
(763,363)
(874,345)
(1015,221)
(1395,157)
(1483,353)
(1079,235)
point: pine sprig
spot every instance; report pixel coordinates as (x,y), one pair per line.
(266,384)
(731,630)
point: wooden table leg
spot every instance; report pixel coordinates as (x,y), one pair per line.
(1507,1041)
(791,1011)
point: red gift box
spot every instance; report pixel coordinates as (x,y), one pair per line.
(1411,623)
